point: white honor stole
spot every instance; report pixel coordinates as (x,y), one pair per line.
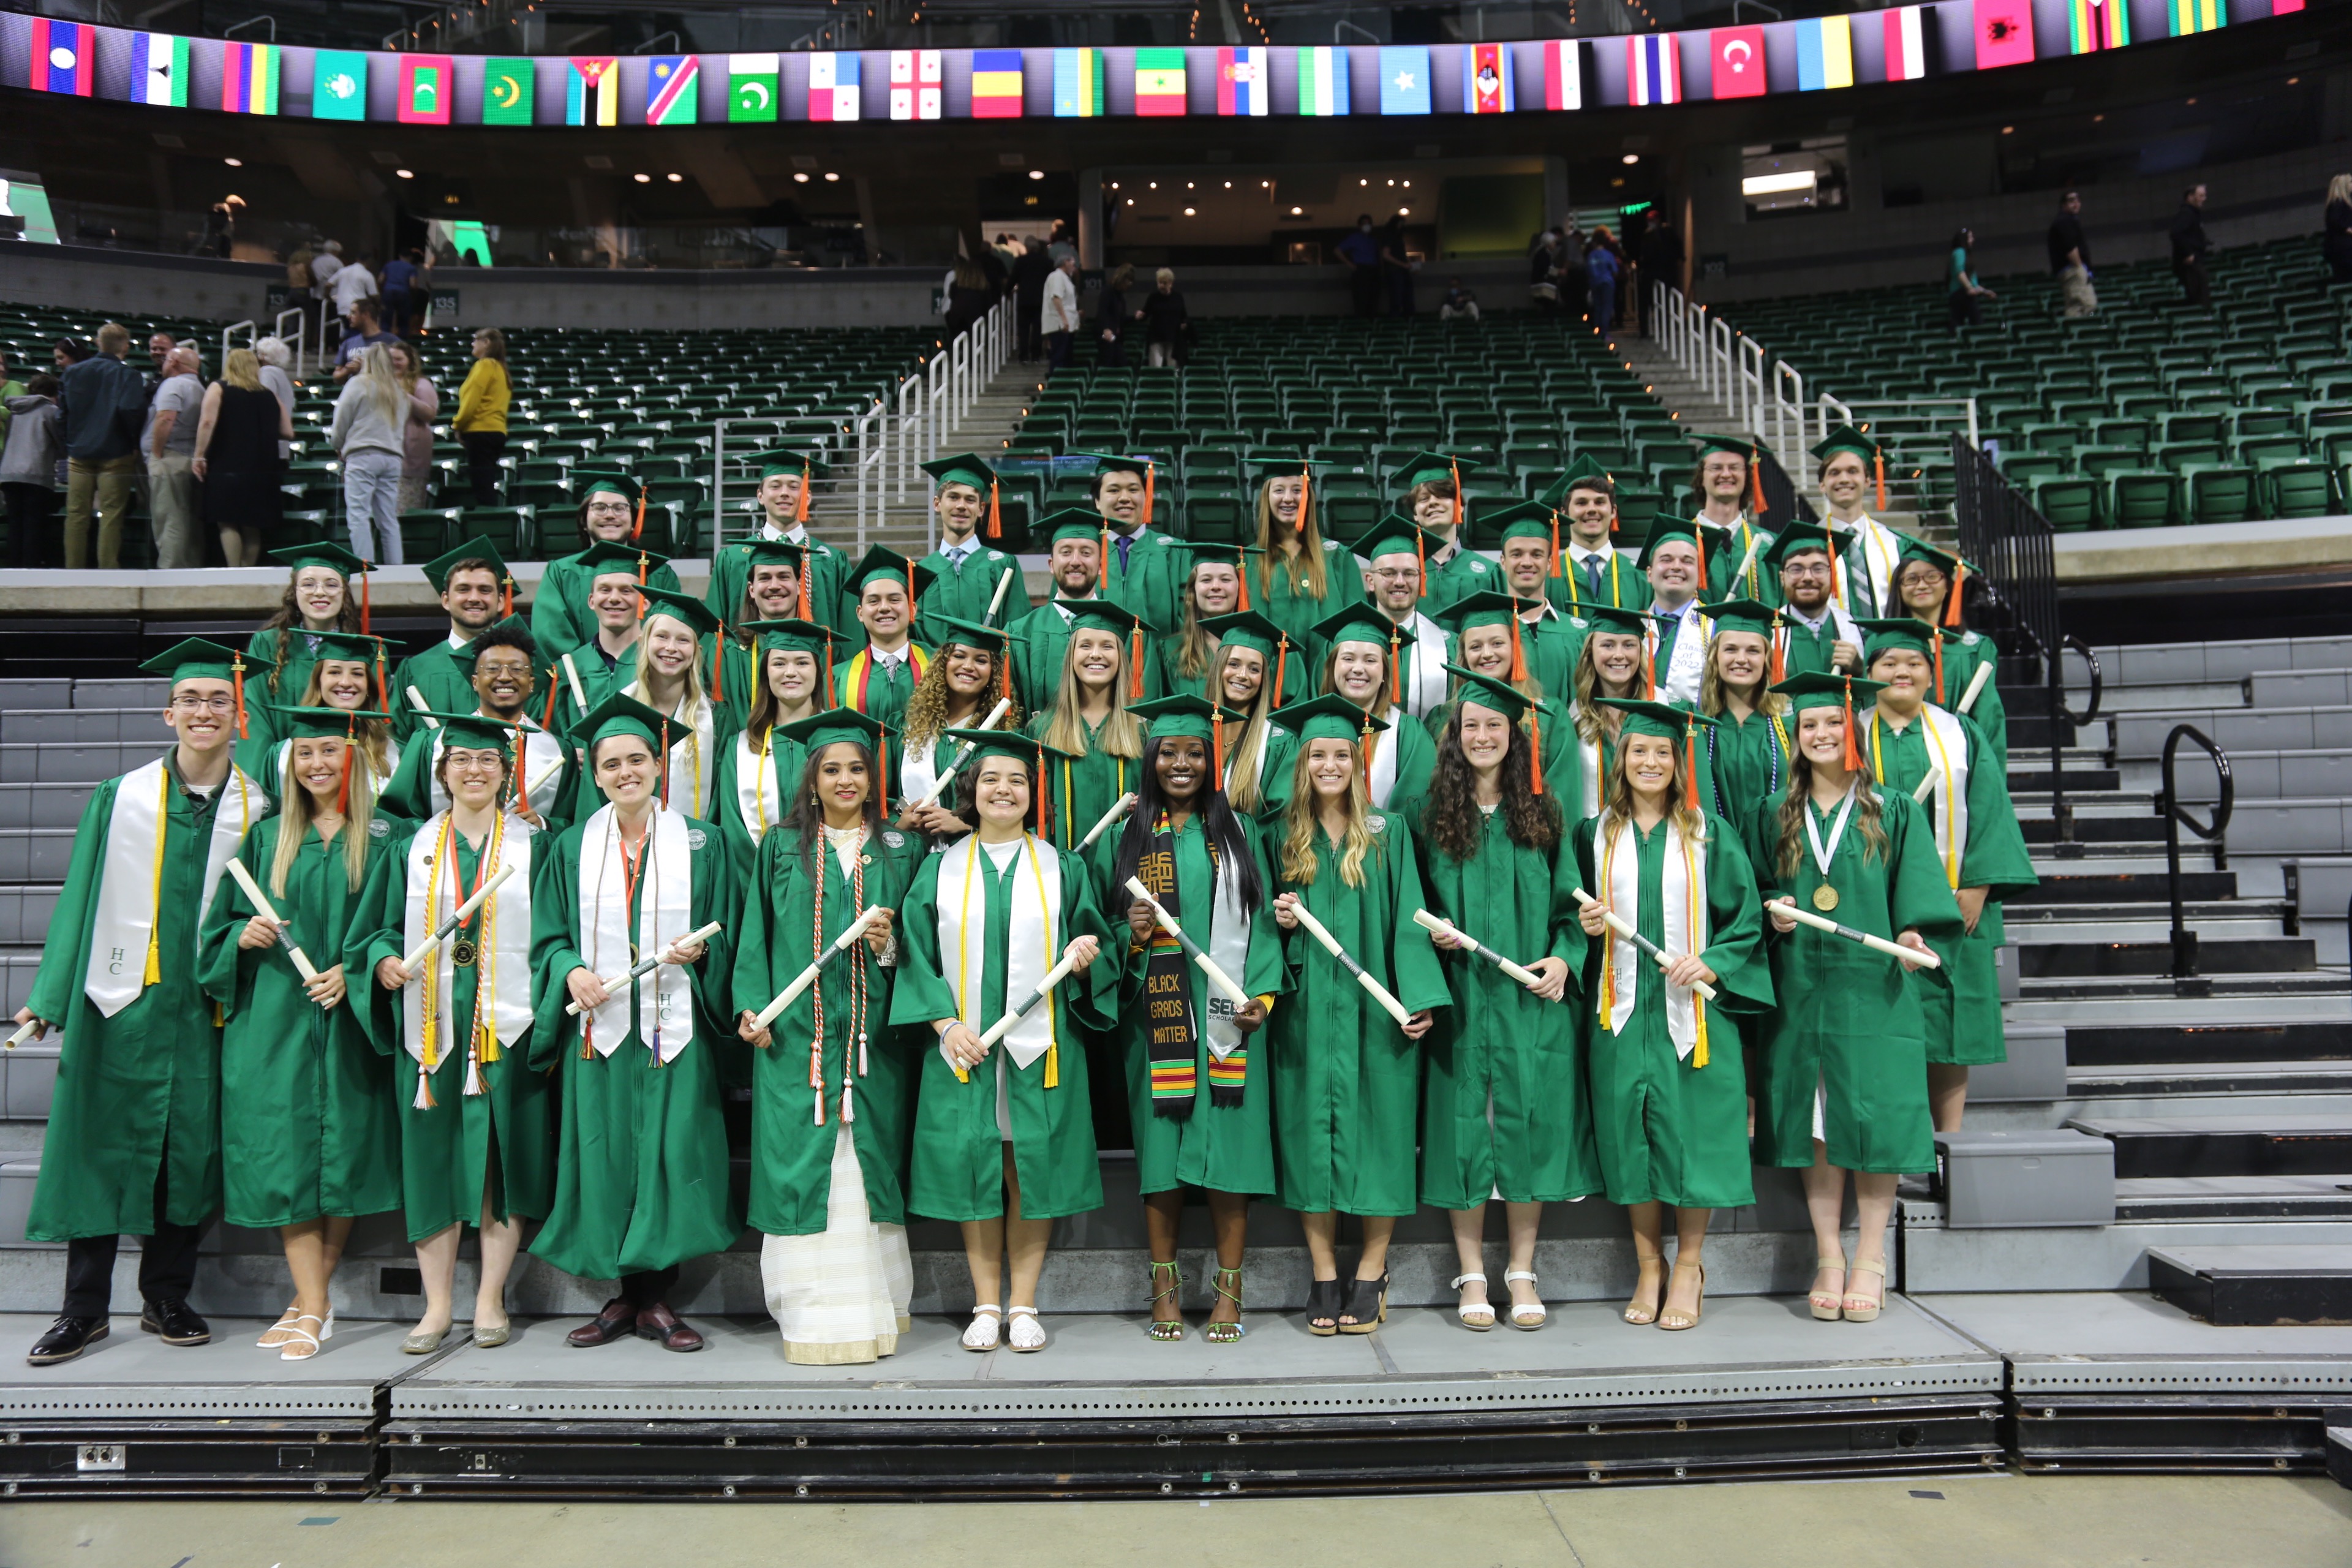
(1384,745)
(1424,690)
(918,770)
(540,775)
(665,1011)
(1682,897)
(1031,942)
(1228,944)
(1947,768)
(124,957)
(758,792)
(503,942)
(693,760)
(1679,681)
(1879,550)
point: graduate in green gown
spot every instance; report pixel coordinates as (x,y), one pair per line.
(476,1143)
(1074,540)
(786,494)
(310,1139)
(612,512)
(1591,571)
(881,675)
(1202,1109)
(760,766)
(1663,1061)
(668,677)
(1928,583)
(1818,634)
(1491,640)
(971,673)
(832,1082)
(772,594)
(976,574)
(1745,752)
(1090,721)
(351,675)
(318,599)
(1298,576)
(1613,662)
(1347,1074)
(1528,538)
(1005,1137)
(477,591)
(1729,488)
(1538,647)
(1214,586)
(1911,744)
(1141,570)
(641,1175)
(1428,490)
(1851,470)
(501,666)
(1361,667)
(1250,674)
(1675,559)
(1504,1111)
(1845,1048)
(584,674)
(1397,552)
(133,1139)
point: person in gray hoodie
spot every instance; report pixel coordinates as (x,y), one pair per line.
(369,432)
(30,470)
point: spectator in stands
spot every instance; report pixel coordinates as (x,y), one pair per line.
(29,465)
(220,227)
(1457,301)
(324,267)
(366,320)
(237,460)
(68,353)
(400,276)
(169,441)
(1396,267)
(424,403)
(277,361)
(1964,296)
(9,387)
(1031,269)
(969,297)
(371,415)
(1543,271)
(159,349)
(1362,252)
(481,418)
(1058,318)
(1110,317)
(1060,241)
(297,274)
(2070,259)
(354,283)
(1602,266)
(103,400)
(2336,222)
(1165,324)
(2188,249)
(1660,258)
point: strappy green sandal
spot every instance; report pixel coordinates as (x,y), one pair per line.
(1226,1334)
(1168,1329)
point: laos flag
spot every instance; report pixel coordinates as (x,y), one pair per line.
(64,56)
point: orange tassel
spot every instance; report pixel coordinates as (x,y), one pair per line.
(1649,670)
(801,502)
(1135,664)
(1420,563)
(1003,675)
(1853,750)
(1952,604)
(1396,673)
(1690,764)
(1217,742)
(910,594)
(1149,477)
(661,760)
(995,516)
(382,689)
(1364,749)
(548,722)
(808,562)
(718,668)
(1244,576)
(1518,654)
(1281,660)
(1456,467)
(1754,485)
(1779,641)
(1554,543)
(507,608)
(237,683)
(825,698)
(1878,460)
(1306,496)
(1939,671)
(637,528)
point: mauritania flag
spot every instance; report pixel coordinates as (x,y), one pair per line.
(832,92)
(592,90)
(159,69)
(751,86)
(2196,16)
(673,84)
(1079,79)
(1323,80)
(1245,85)
(249,77)
(1159,81)
(510,90)
(1563,67)
(914,84)
(1486,87)
(2095,25)
(1824,52)
(1653,69)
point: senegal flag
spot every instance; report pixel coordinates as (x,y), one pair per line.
(1159,81)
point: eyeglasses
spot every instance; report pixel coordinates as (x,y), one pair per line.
(190,703)
(1794,570)
(1396,574)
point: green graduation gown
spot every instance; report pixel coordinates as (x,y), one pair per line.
(1851,1021)
(448,686)
(1963,999)
(1991,714)
(1150,581)
(311,1129)
(1807,649)
(413,794)
(958,1171)
(1280,594)
(1620,583)
(498,1141)
(730,570)
(1503,1101)
(138,1094)
(294,651)
(560,619)
(1347,1083)
(641,1172)
(880,688)
(1748,760)
(1669,1130)
(1084,787)
(1416,762)
(791,1153)
(1758,583)
(963,589)
(1224,1148)
(1459,575)
(1041,643)
(777,772)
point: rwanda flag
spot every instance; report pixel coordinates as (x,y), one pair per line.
(1078,84)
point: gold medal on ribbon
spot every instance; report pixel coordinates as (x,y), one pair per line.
(462,952)
(1825,898)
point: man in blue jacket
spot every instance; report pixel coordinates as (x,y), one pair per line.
(103,400)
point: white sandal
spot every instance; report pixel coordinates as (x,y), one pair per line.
(1463,1309)
(1530,1317)
(987,1327)
(1027,1331)
(300,1344)
(276,1334)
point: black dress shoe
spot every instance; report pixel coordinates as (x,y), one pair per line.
(613,1322)
(173,1324)
(658,1323)
(66,1338)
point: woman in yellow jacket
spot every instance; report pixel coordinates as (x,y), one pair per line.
(481,421)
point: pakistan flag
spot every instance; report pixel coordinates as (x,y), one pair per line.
(339,84)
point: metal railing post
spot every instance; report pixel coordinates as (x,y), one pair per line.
(2167,805)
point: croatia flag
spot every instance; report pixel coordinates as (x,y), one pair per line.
(1486,86)
(1911,43)
(1242,83)
(1563,63)
(833,85)
(1654,70)
(1738,59)
(63,56)
(1322,80)
(914,84)
(159,69)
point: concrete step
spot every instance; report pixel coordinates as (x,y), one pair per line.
(2217,694)
(2116,960)
(2232,1197)
(2255,775)
(2235,729)
(2107,881)
(2190,1080)
(2256,1285)
(31,726)
(2092,1045)
(2305,1144)
(2099,988)
(66,762)
(2152,927)
(2154,663)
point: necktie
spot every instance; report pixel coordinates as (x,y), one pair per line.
(1593,574)
(1125,542)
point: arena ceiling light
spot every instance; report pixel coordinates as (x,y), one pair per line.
(832,178)
(1036,173)
(1187,212)
(676,179)
(403,174)
(1632,158)
(643,179)
(1779,185)
(233,163)
(801,179)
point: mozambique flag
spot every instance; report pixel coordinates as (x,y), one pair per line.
(249,77)
(592,90)
(996,84)
(2195,15)
(1159,81)
(1078,84)
(2095,25)
(510,90)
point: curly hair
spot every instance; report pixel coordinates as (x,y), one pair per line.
(1450,818)
(927,705)
(1789,847)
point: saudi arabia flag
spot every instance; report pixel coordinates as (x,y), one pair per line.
(751,87)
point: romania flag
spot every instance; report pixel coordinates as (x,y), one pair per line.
(996,84)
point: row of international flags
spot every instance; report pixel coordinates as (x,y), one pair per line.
(63,59)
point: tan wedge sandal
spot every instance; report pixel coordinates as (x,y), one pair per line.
(1828,1305)
(1862,1309)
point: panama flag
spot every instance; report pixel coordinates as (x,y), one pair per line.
(2005,33)
(1911,43)
(159,69)
(425,88)
(914,84)
(592,90)
(1563,63)
(996,85)
(751,87)
(63,56)
(1159,81)
(1244,86)
(833,85)
(2095,25)
(1738,59)
(1653,69)
(249,77)
(2187,17)
(1486,87)
(673,84)
(1323,80)
(1824,52)
(1078,77)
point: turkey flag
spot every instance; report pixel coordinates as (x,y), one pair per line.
(1739,54)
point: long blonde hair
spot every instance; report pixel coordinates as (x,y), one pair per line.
(1594,722)
(1310,544)
(1302,823)
(1714,696)
(1789,819)
(695,694)
(375,733)
(379,382)
(1194,647)
(1066,729)
(1617,800)
(298,812)
(2340,189)
(1243,786)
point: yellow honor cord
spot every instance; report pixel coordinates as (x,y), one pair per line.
(1608,937)
(1046,911)
(154,970)
(1951,840)
(1694,893)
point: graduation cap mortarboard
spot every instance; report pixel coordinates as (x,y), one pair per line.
(478,550)
(1702,536)
(1799,538)
(1395,534)
(1070,523)
(972,634)
(1430,468)
(610,557)
(1922,637)
(1183,716)
(839,727)
(1665,721)
(313,723)
(1247,629)
(1358,622)
(788,635)
(197,659)
(1501,696)
(1484,608)
(622,715)
(1817,688)
(1952,566)
(322,553)
(1742,615)
(1621,619)
(799,465)
(969,468)
(1741,447)
(586,483)
(1845,439)
(1327,717)
(473,732)
(678,607)
(761,551)
(880,561)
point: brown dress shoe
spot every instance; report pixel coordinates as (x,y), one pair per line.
(658,1323)
(610,1324)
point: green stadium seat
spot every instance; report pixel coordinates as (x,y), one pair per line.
(2140,498)
(2293,486)
(2071,505)
(2223,493)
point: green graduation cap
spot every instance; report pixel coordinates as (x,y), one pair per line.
(1620,619)
(1327,718)
(465,656)
(1906,631)
(972,634)
(1581,468)
(1484,608)
(1710,540)
(1816,688)
(606,556)
(1070,523)
(1005,743)
(1361,623)
(1662,720)
(199,660)
(322,553)
(789,635)
(760,550)
(621,714)
(679,607)
(1739,447)
(1113,463)
(1742,615)
(964,468)
(1101,615)
(1846,439)
(1202,554)
(437,570)
(1257,470)
(1801,537)
(473,732)
(352,647)
(1168,718)
(1521,520)
(880,561)
(1494,695)
(1396,534)
(1914,548)
(314,723)
(1245,628)
(800,465)
(834,727)
(1430,468)
(587,482)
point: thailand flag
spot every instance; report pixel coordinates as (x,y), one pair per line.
(833,85)
(1654,70)
(1486,87)
(1563,63)
(914,84)
(1910,42)
(62,57)
(1242,82)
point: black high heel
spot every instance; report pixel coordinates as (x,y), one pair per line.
(1323,1308)
(1363,1294)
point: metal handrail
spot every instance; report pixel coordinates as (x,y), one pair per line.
(2072,644)
(2176,817)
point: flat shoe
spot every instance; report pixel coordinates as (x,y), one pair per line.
(491,1339)
(1026,1333)
(423,1344)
